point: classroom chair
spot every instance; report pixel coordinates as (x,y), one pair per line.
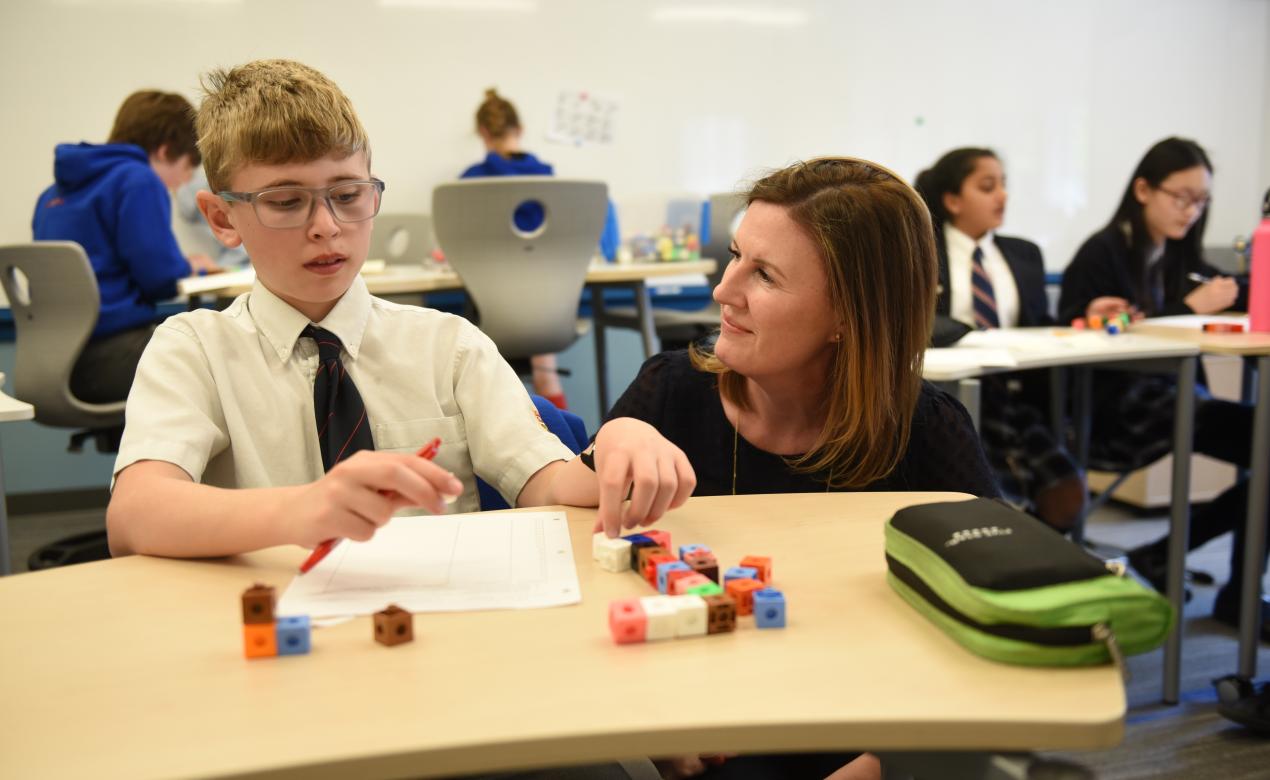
(677,328)
(402,239)
(53,294)
(525,286)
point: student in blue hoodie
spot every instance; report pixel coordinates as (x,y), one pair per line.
(112,199)
(498,125)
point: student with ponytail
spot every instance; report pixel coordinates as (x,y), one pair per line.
(987,280)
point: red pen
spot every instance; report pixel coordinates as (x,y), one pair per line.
(427,452)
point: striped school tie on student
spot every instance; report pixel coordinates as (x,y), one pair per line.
(985,300)
(341,416)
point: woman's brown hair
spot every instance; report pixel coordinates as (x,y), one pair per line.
(875,238)
(496,116)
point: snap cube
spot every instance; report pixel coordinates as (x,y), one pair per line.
(721,613)
(762,566)
(394,626)
(743,591)
(688,549)
(769,608)
(258,601)
(627,621)
(259,640)
(691,616)
(664,572)
(662,617)
(705,589)
(680,586)
(661,537)
(740,573)
(611,554)
(293,635)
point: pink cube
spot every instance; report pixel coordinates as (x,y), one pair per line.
(627,621)
(662,538)
(692,580)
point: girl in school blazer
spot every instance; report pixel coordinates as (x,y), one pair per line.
(988,280)
(1148,260)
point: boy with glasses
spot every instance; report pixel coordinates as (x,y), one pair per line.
(293,416)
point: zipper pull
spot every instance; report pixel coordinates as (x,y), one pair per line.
(1102,633)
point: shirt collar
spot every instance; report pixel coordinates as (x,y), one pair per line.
(282,325)
(960,242)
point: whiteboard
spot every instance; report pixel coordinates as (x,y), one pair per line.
(709,92)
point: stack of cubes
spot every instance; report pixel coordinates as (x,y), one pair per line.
(693,601)
(1113,325)
(267,637)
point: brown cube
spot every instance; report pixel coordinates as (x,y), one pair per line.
(708,567)
(258,601)
(393,626)
(636,546)
(722,614)
(644,552)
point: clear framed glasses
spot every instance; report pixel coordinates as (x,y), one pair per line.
(292,207)
(1184,200)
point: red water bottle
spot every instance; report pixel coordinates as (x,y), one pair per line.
(1259,272)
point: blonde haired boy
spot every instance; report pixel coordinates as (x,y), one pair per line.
(221,452)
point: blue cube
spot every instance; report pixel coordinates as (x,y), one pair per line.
(684,549)
(664,569)
(293,635)
(740,573)
(769,608)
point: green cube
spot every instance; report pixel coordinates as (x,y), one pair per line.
(706,589)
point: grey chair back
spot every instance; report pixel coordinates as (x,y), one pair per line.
(724,207)
(402,239)
(526,286)
(53,294)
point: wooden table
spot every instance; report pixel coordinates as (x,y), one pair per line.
(11,409)
(132,668)
(1257,347)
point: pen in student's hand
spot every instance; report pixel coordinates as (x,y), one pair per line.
(427,452)
(1199,278)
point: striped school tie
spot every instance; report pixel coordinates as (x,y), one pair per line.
(985,301)
(341,416)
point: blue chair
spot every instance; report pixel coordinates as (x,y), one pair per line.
(568,428)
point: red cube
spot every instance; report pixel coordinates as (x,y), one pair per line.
(627,621)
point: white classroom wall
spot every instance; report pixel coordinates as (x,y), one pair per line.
(711,92)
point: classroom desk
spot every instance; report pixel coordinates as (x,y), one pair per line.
(405,279)
(132,668)
(11,409)
(1056,349)
(1257,347)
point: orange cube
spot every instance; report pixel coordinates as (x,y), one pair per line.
(260,640)
(650,565)
(742,591)
(763,564)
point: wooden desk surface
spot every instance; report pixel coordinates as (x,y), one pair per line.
(132,668)
(1242,344)
(404,279)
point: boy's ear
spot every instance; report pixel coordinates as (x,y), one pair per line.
(216,212)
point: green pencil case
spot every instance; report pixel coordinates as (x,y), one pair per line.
(1008,588)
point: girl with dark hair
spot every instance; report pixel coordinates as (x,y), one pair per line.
(988,280)
(1148,261)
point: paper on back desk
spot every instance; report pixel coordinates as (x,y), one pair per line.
(444,563)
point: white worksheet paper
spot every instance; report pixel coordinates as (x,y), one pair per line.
(444,563)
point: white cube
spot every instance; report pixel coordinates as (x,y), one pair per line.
(691,614)
(662,615)
(611,554)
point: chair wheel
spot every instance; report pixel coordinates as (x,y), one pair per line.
(1232,688)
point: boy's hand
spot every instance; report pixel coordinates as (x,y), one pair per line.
(631,457)
(1217,294)
(360,494)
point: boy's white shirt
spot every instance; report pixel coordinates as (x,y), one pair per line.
(228,396)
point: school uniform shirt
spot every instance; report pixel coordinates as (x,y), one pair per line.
(108,199)
(228,396)
(961,249)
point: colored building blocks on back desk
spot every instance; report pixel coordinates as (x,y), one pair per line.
(393,626)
